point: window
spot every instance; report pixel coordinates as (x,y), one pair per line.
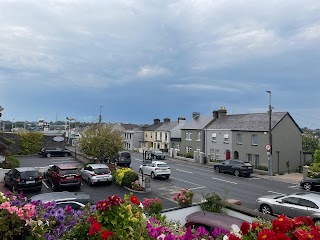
(217,154)
(249,158)
(188,135)
(178,146)
(150,135)
(156,137)
(254,140)
(291,200)
(214,137)
(226,138)
(146,135)
(198,149)
(166,136)
(188,149)
(307,203)
(256,160)
(239,138)
(212,156)
(199,136)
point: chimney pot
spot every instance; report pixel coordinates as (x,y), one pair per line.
(156,120)
(195,114)
(166,120)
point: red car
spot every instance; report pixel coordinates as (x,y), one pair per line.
(63,175)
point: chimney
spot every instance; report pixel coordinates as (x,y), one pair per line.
(156,120)
(222,112)
(166,120)
(195,114)
(181,119)
(215,114)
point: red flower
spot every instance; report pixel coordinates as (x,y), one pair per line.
(245,227)
(94,228)
(280,236)
(255,225)
(115,200)
(106,234)
(302,234)
(233,237)
(279,226)
(265,234)
(134,200)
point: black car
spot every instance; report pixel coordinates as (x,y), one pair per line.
(123,158)
(236,167)
(310,184)
(54,151)
(76,200)
(23,178)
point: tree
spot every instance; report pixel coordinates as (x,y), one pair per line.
(316,156)
(310,141)
(100,141)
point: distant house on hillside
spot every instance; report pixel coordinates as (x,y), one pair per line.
(132,134)
(245,136)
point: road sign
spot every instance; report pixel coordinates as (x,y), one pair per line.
(268,147)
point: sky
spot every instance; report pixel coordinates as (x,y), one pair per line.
(147,59)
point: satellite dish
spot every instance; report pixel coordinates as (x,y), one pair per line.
(58,139)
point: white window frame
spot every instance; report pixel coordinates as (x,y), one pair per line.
(249,158)
(189,136)
(151,135)
(198,149)
(214,137)
(226,138)
(156,136)
(217,154)
(254,137)
(199,136)
(239,138)
(256,160)
(188,149)
(178,147)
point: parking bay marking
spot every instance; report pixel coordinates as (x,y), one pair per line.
(224,180)
(184,171)
(275,192)
(187,182)
(45,184)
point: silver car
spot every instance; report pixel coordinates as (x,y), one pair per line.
(155,169)
(95,173)
(294,205)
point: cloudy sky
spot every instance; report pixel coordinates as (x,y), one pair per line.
(146,59)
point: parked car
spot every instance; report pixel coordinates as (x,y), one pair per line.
(293,205)
(157,154)
(123,158)
(23,178)
(95,173)
(155,169)
(310,184)
(63,175)
(210,221)
(53,151)
(236,167)
(76,200)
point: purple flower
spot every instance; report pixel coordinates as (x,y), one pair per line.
(46,216)
(60,229)
(60,211)
(53,212)
(60,218)
(93,208)
(201,231)
(48,236)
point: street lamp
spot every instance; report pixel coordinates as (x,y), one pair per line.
(100,118)
(270,173)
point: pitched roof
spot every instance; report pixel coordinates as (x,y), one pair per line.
(248,122)
(197,123)
(167,126)
(129,126)
(153,126)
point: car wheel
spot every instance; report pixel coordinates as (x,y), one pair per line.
(48,155)
(140,171)
(89,182)
(78,187)
(236,173)
(167,177)
(266,209)
(307,186)
(217,169)
(66,154)
(316,221)
(14,188)
(39,189)
(54,187)
(152,175)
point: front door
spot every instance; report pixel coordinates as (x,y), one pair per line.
(227,155)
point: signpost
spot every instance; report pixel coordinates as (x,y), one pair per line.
(268,148)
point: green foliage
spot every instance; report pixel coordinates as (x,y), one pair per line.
(152,206)
(315,168)
(10,162)
(212,202)
(316,156)
(30,142)
(261,167)
(10,141)
(310,141)
(100,141)
(119,173)
(189,155)
(128,178)
(77,231)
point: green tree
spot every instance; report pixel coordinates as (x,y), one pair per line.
(316,156)
(30,142)
(100,141)
(310,141)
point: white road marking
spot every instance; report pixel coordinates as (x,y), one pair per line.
(254,178)
(140,160)
(197,188)
(295,186)
(224,180)
(186,181)
(203,170)
(45,184)
(184,171)
(57,162)
(275,192)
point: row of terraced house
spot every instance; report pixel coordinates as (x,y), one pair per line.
(223,136)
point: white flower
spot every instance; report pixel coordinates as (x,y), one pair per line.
(40,222)
(162,236)
(225,237)
(235,228)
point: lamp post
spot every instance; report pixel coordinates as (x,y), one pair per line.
(100,117)
(270,172)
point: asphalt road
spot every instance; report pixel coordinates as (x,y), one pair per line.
(201,179)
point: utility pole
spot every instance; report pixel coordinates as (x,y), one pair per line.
(100,117)
(270,172)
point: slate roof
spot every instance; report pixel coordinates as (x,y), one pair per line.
(197,123)
(167,126)
(129,126)
(154,126)
(248,122)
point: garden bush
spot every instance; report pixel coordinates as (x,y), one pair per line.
(30,142)
(212,203)
(119,174)
(10,162)
(128,178)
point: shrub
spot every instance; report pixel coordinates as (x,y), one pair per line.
(261,167)
(212,203)
(189,155)
(119,174)
(128,178)
(30,142)
(10,162)
(136,186)
(152,206)
(184,197)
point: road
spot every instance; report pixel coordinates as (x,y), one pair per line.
(201,179)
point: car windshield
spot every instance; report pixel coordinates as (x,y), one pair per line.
(162,165)
(29,174)
(125,155)
(157,151)
(68,171)
(101,171)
